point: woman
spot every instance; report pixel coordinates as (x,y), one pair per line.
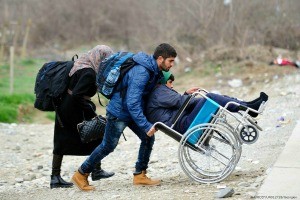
(75,107)
(164,103)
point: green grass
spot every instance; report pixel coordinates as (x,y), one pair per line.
(210,68)
(51,115)
(18,106)
(24,76)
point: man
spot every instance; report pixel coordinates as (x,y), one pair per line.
(164,103)
(127,110)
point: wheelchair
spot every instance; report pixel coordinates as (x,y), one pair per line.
(210,149)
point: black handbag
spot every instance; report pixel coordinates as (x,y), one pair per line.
(93,129)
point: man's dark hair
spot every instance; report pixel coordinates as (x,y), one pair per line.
(165,50)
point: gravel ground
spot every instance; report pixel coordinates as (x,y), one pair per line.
(26,153)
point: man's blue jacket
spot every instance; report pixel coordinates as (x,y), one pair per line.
(137,83)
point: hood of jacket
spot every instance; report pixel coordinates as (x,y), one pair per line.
(146,61)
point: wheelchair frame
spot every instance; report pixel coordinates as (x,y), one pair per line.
(209,152)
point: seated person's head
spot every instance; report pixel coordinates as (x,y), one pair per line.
(168,79)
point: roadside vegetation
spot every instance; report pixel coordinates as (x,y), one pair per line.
(16,108)
(212,72)
(215,40)
(17,105)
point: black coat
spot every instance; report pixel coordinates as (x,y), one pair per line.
(72,110)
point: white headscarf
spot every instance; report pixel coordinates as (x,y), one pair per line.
(92,58)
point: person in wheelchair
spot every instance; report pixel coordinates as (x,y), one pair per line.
(164,102)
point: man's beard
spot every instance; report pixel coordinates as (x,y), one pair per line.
(163,67)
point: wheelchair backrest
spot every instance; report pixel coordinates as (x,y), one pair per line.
(205,115)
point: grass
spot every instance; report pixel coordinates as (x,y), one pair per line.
(24,76)
(50,115)
(18,105)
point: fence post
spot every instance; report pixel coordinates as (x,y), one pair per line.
(2,44)
(16,35)
(24,46)
(11,69)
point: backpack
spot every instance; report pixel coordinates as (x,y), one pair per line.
(112,70)
(51,83)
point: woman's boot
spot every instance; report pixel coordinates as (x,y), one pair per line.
(98,173)
(56,180)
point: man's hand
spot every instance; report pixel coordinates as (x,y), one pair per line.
(151,131)
(192,90)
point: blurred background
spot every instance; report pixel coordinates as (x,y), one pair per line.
(216,40)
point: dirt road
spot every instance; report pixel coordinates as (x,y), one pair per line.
(26,150)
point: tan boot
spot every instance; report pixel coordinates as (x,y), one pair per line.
(142,179)
(81,182)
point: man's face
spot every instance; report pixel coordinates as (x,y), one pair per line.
(165,64)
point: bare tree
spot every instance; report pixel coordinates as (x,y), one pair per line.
(192,25)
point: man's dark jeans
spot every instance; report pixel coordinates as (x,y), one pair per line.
(113,130)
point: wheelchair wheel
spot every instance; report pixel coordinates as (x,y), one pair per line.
(208,153)
(249,134)
(232,130)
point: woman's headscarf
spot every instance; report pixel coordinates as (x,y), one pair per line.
(92,58)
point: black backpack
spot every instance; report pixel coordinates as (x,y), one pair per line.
(51,83)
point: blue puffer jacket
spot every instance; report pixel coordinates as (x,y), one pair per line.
(164,103)
(137,83)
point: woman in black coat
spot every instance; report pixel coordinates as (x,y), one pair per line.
(75,107)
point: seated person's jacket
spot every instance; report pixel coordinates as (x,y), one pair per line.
(164,103)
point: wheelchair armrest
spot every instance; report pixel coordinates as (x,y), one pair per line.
(184,105)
